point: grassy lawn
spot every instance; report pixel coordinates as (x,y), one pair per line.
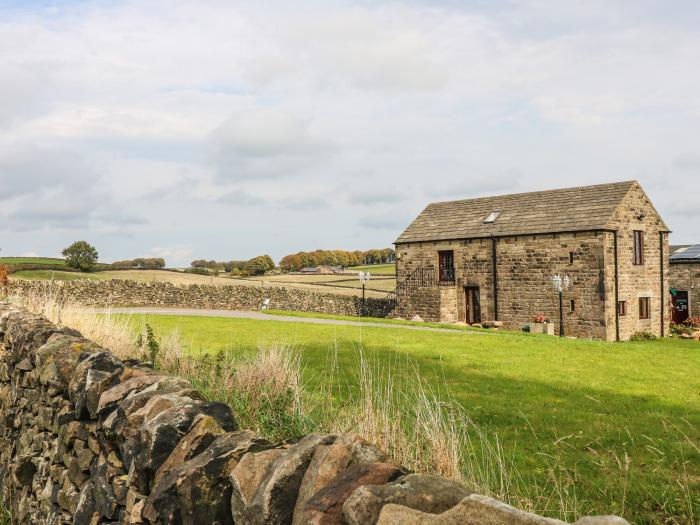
(375,269)
(615,427)
(380,320)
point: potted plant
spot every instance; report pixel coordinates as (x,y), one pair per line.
(693,324)
(541,325)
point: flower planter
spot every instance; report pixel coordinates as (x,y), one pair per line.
(542,328)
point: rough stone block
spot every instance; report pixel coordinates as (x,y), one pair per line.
(472,510)
(422,492)
(199,490)
(57,359)
(326,506)
(87,374)
(329,461)
(266,486)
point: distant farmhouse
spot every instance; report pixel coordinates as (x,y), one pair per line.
(685,282)
(494,258)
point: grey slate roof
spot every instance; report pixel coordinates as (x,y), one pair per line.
(583,208)
(686,253)
(675,247)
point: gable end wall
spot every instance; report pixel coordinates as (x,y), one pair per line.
(637,213)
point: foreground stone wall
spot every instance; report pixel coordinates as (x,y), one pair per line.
(86,438)
(131,293)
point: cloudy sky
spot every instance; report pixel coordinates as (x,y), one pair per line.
(228,129)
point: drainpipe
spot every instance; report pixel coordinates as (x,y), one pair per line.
(663,286)
(495,277)
(617,291)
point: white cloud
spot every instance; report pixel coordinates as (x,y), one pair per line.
(180,255)
(263,143)
(227,128)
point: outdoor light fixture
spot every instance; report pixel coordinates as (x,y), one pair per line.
(364,279)
(560,285)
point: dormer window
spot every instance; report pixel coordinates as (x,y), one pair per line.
(491,218)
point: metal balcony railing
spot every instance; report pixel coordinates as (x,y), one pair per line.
(418,278)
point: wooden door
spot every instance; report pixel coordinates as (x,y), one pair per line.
(680,306)
(473,304)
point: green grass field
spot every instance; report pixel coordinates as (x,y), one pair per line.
(382,320)
(615,426)
(45,275)
(33,260)
(378,269)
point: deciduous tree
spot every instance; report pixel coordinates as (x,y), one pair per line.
(81,255)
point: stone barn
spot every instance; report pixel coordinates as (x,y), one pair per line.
(493,259)
(685,282)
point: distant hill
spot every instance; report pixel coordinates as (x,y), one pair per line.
(44,261)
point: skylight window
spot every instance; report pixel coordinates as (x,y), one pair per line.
(492,217)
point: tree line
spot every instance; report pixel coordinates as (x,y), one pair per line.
(256,266)
(219,266)
(297,261)
(143,263)
(83,256)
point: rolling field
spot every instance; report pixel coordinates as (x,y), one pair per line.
(588,427)
(375,269)
(33,260)
(46,275)
(378,286)
(134,275)
(345,284)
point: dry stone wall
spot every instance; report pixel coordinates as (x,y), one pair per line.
(119,292)
(86,438)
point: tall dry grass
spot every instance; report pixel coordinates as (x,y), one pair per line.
(108,331)
(428,431)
